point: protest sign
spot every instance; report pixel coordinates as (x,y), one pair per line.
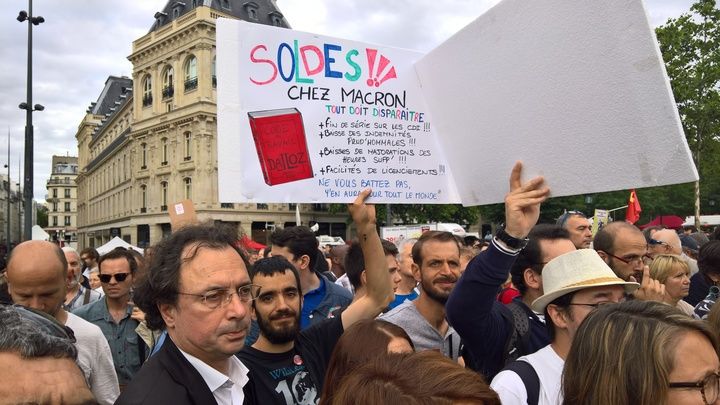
(600,219)
(576,90)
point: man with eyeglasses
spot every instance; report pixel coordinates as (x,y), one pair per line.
(37,278)
(287,365)
(199,291)
(624,248)
(113,314)
(579,227)
(575,283)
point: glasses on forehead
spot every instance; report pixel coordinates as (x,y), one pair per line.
(119,277)
(221,297)
(632,258)
(566,215)
(709,387)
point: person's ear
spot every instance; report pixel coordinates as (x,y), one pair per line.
(559,316)
(532,279)
(416,272)
(168,313)
(305,262)
(604,256)
(363,278)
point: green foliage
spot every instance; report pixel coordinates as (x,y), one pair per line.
(42,216)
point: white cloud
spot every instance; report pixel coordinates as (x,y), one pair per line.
(82,42)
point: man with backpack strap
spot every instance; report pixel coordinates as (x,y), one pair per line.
(575,283)
(493,333)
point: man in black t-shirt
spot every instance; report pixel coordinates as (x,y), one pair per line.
(287,366)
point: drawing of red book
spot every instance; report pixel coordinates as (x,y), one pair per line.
(281,146)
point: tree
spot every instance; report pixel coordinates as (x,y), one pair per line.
(690,45)
(42,216)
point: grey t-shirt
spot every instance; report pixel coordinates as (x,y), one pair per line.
(424,336)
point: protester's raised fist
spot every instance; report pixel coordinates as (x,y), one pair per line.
(522,203)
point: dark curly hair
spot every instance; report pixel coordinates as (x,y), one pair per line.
(163,279)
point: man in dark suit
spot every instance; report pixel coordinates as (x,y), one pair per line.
(199,291)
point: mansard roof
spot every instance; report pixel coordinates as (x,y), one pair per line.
(264,11)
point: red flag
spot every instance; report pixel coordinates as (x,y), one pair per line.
(633,210)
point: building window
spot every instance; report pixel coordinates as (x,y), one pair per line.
(67,207)
(143,198)
(168,87)
(143,156)
(163,195)
(188,188)
(188,146)
(214,77)
(227,205)
(262,206)
(292,206)
(147,91)
(54,221)
(252,13)
(54,193)
(67,180)
(191,81)
(54,206)
(67,193)
(226,4)
(164,151)
(67,220)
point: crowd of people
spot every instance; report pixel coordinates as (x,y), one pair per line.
(539,314)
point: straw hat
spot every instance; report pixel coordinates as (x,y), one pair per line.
(574,271)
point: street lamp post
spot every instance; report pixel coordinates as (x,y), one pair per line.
(29,108)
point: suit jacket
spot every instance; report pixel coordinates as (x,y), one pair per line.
(167,378)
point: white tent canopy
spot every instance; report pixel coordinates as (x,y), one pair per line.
(117,242)
(704,220)
(39,234)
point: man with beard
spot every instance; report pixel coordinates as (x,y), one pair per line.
(287,366)
(436,267)
(77,295)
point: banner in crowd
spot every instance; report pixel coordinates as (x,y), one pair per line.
(600,219)
(310,118)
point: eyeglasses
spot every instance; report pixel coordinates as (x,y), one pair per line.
(566,215)
(632,258)
(119,277)
(595,305)
(709,387)
(44,322)
(219,298)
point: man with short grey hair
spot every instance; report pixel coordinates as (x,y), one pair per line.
(38,355)
(406,290)
(76,295)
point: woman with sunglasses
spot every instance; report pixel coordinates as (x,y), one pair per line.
(642,353)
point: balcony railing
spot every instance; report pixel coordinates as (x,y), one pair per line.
(168,92)
(147,100)
(191,84)
(60,181)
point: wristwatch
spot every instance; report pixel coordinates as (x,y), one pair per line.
(511,241)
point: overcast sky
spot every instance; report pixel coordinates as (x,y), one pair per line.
(82,42)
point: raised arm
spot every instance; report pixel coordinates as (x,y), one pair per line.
(472,308)
(379,289)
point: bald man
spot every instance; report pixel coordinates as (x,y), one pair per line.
(37,278)
(667,242)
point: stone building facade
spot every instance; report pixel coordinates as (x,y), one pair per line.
(150,141)
(62,200)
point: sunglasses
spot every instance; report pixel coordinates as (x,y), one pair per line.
(119,277)
(566,215)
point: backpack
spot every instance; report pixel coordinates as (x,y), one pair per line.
(529,377)
(519,340)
